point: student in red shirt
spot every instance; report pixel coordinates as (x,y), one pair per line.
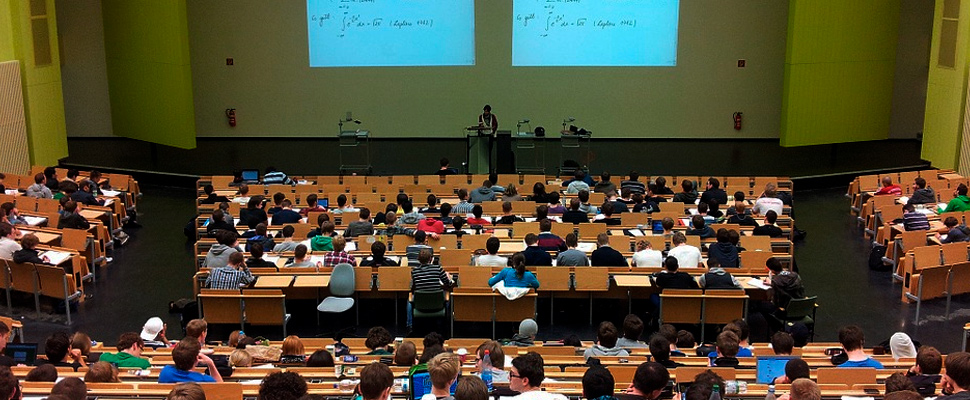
(888,187)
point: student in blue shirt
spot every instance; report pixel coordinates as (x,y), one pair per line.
(852,340)
(186,355)
(516,275)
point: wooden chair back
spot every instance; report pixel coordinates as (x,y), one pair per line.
(932,282)
(762,243)
(913,239)
(926,256)
(474,277)
(75,239)
(394,279)
(54,282)
(960,276)
(590,230)
(620,243)
(23,277)
(553,351)
(751,259)
(589,279)
(221,306)
(223,391)
(846,376)
(455,257)
(954,252)
(681,306)
(473,242)
(265,306)
(687,374)
(553,278)
(363,279)
(562,230)
(520,229)
(723,306)
(443,242)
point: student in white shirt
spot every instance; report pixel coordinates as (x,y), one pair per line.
(646,256)
(687,256)
(492,259)
(526,378)
(8,244)
(768,202)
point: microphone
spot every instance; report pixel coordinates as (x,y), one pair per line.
(569,119)
(357,121)
(524,121)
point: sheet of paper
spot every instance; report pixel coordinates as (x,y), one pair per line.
(34,221)
(586,247)
(272,259)
(635,232)
(755,282)
(56,257)
(110,193)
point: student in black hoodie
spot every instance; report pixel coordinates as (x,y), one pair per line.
(218,223)
(724,251)
(740,216)
(926,373)
(699,228)
(670,278)
(660,351)
(256,258)
(211,196)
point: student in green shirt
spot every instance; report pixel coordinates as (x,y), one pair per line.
(378,340)
(130,345)
(959,203)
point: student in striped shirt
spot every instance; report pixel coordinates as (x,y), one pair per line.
(427,276)
(914,221)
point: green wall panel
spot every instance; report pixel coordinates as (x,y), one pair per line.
(946,94)
(839,69)
(149,72)
(276,93)
(43,99)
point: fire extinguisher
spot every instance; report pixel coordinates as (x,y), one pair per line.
(737,121)
(231,113)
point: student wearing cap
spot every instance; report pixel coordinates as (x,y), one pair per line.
(153,333)
(527,333)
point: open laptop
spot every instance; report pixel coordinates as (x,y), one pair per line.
(22,353)
(420,384)
(771,367)
(250,176)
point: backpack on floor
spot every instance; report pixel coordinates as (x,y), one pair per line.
(875,258)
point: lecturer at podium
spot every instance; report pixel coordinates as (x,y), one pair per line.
(488,120)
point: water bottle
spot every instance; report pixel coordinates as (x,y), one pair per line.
(771,393)
(715,393)
(487,370)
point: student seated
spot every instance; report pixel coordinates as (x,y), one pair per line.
(253,214)
(632,329)
(606,337)
(794,369)
(660,351)
(275,177)
(926,373)
(338,255)
(572,257)
(492,259)
(535,255)
(218,254)
(507,217)
(39,189)
(516,275)
(888,187)
(598,383)
(913,220)
(727,350)
(342,205)
(476,221)
(646,256)
(446,167)
(717,278)
(260,236)
(73,219)
(377,258)
(769,228)
(362,226)
(324,240)
(741,217)
(286,215)
(724,251)
(312,206)
(28,253)
(232,276)
(443,370)
(956,232)
(649,381)
(300,258)
(256,258)
(287,244)
(528,372)
(782,344)
(853,339)
(574,215)
(211,197)
(699,228)
(687,256)
(670,278)
(607,215)
(483,193)
(60,353)
(606,256)
(129,346)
